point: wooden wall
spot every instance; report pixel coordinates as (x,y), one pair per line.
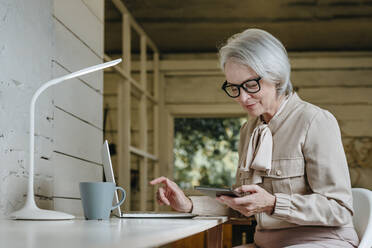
(78,103)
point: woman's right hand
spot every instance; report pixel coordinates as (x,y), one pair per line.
(170,194)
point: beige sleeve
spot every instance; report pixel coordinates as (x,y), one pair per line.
(330,204)
(204,205)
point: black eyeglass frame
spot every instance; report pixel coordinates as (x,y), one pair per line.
(227,84)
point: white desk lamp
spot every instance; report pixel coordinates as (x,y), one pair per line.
(30,211)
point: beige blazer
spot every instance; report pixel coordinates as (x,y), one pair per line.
(309,174)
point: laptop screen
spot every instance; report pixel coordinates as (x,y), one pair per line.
(109,172)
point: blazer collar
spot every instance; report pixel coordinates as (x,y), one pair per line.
(277,120)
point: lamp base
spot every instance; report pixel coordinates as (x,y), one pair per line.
(35,213)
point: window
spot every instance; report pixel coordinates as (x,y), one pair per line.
(206,151)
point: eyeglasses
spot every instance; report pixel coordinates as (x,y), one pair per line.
(250,86)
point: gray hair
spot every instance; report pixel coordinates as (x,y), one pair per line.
(263,53)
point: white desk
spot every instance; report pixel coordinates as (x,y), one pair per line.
(116,232)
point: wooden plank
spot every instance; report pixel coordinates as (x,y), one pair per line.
(170,139)
(346,54)
(217,81)
(156,118)
(299,78)
(76,138)
(350,112)
(207,110)
(143,55)
(324,78)
(78,18)
(196,240)
(97,7)
(354,120)
(302,77)
(195,73)
(190,90)
(355,128)
(206,89)
(77,98)
(143,184)
(142,116)
(73,55)
(181,65)
(156,75)
(144,160)
(332,63)
(163,131)
(150,126)
(214,237)
(151,193)
(337,95)
(124,138)
(299,62)
(71,206)
(124,116)
(126,44)
(69,172)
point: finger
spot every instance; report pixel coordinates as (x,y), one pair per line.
(158,198)
(162,196)
(161,179)
(231,205)
(225,203)
(252,188)
(225,199)
(245,209)
(244,200)
(172,185)
(240,208)
(237,201)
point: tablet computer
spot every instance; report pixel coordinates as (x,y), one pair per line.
(215,192)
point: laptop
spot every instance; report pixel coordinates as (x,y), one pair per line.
(109,174)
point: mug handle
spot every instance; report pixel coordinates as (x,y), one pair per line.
(121,200)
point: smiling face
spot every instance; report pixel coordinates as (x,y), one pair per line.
(265,102)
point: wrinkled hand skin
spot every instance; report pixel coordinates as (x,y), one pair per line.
(258,201)
(170,194)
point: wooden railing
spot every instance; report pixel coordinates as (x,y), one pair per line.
(124,88)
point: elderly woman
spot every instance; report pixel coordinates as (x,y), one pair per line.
(292,166)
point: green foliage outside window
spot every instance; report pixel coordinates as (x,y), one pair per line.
(206,151)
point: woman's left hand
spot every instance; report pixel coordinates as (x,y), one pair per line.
(259,200)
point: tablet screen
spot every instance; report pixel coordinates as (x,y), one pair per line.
(215,192)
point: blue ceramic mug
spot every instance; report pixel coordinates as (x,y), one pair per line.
(97,197)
